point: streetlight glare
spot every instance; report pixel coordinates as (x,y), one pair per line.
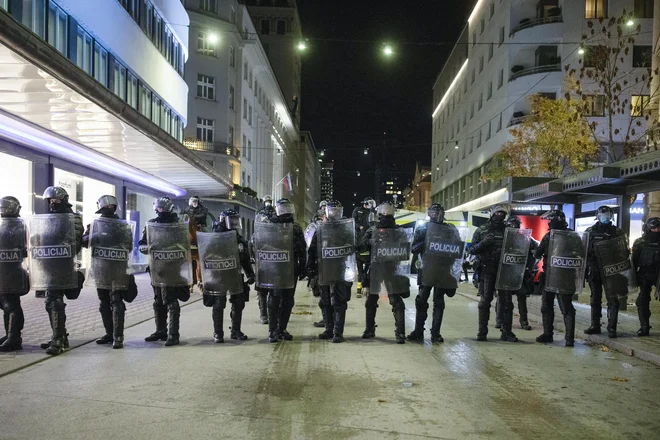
(213,38)
(630,22)
(388,51)
(302,46)
(581,51)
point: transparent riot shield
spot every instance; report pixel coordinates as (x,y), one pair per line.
(13,252)
(390,261)
(110,250)
(616,268)
(513,261)
(567,251)
(53,252)
(442,260)
(335,242)
(220,263)
(169,254)
(273,248)
(310,230)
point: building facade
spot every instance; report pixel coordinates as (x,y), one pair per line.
(509,51)
(327,181)
(311,176)
(417,195)
(95,110)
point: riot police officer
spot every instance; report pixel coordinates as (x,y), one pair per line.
(15,282)
(436,214)
(268,201)
(556,221)
(197,212)
(646,261)
(312,280)
(602,230)
(229,220)
(58,203)
(398,287)
(487,245)
(265,214)
(111,302)
(166,299)
(281,301)
(334,297)
(363,217)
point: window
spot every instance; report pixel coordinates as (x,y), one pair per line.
(492,10)
(479,139)
(473,77)
(265,27)
(230,136)
(644,8)
(145,101)
(204,46)
(638,104)
(482,26)
(499,123)
(148,10)
(490,91)
(208,6)
(474,38)
(250,79)
(205,129)
(100,64)
(245,106)
(205,86)
(57,28)
(155,109)
(245,71)
(481,64)
(249,156)
(594,105)
(84,50)
(232,56)
(156,30)
(481,101)
(3,4)
(243,144)
(642,56)
(231,97)
(243,178)
(491,46)
(281,27)
(34,16)
(250,115)
(500,79)
(488,131)
(595,55)
(165,119)
(132,91)
(595,8)
(119,80)
(232,15)
(472,111)
(501,40)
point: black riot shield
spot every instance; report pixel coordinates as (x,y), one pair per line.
(515,250)
(567,251)
(335,241)
(169,254)
(616,269)
(273,248)
(110,250)
(310,230)
(220,263)
(53,252)
(13,251)
(442,260)
(390,261)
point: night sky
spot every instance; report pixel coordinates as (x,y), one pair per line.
(352,94)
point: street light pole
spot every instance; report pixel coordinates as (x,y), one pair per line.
(652,200)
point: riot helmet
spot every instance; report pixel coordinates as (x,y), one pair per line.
(194,202)
(369,203)
(265,214)
(498,214)
(322,205)
(56,197)
(285,207)
(652,227)
(386,209)
(334,210)
(230,219)
(514,222)
(163,205)
(268,200)
(436,213)
(10,207)
(556,219)
(604,215)
(106,204)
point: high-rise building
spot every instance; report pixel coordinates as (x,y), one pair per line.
(310,177)
(327,180)
(509,51)
(94,100)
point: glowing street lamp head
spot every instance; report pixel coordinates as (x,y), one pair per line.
(302,46)
(581,51)
(630,23)
(213,38)
(388,50)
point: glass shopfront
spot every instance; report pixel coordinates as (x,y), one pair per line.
(16,180)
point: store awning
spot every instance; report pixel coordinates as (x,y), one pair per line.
(51,106)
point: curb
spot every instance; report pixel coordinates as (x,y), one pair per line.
(613,344)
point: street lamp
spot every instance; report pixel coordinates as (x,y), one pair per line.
(456,146)
(366,151)
(213,38)
(630,23)
(581,51)
(301,46)
(388,50)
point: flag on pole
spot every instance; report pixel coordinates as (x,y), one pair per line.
(288,183)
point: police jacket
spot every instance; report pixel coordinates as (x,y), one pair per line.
(542,249)
(85,237)
(243,250)
(198,214)
(487,244)
(384,222)
(167,217)
(312,265)
(11,261)
(299,245)
(361,217)
(646,256)
(65,208)
(597,233)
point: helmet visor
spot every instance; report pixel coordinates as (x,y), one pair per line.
(604,217)
(285,208)
(233,222)
(385,209)
(334,212)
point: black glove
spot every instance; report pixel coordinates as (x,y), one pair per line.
(250,280)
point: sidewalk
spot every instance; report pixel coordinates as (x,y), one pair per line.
(647,348)
(83,322)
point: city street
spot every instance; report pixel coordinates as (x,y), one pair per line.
(309,388)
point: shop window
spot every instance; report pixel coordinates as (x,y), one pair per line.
(16,174)
(132,91)
(119,80)
(57,28)
(34,16)
(100,64)
(84,50)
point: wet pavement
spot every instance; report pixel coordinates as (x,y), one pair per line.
(308,388)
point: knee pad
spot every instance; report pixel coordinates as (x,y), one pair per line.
(119,306)
(237,304)
(174,307)
(421,302)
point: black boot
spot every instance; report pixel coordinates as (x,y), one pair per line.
(263,308)
(285,314)
(522,312)
(498,319)
(420,319)
(6,322)
(160,316)
(218,330)
(569,322)
(327,321)
(370,328)
(57,342)
(548,328)
(438,313)
(236,318)
(107,318)
(174,311)
(400,324)
(13,341)
(644,325)
(612,317)
(594,329)
(484,316)
(273,317)
(339,320)
(118,315)
(507,322)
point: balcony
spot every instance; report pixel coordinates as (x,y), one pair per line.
(529,23)
(519,71)
(518,118)
(240,196)
(212,147)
